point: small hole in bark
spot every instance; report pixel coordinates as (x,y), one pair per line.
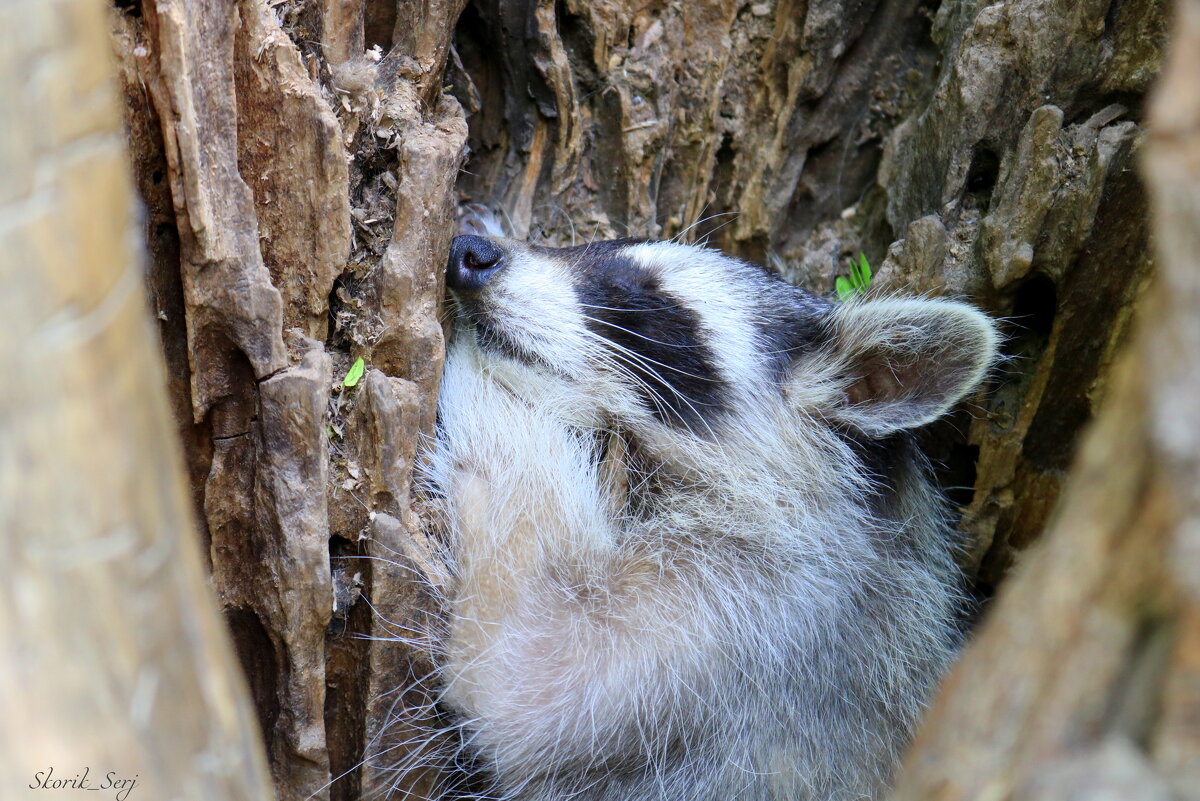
(131,7)
(1036,305)
(379,23)
(156,177)
(1091,101)
(257,655)
(960,473)
(985,169)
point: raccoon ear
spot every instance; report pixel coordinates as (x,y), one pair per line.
(899,364)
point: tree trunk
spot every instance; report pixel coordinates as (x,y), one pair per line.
(116,673)
(1085,681)
(299,163)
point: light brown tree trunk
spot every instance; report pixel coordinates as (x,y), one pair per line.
(114,664)
(299,163)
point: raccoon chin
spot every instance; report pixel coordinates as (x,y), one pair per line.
(492,338)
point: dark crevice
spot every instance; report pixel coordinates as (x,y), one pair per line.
(959,473)
(476,43)
(952,456)
(715,222)
(578,41)
(347,665)
(1089,101)
(609,163)
(379,24)
(1027,335)
(256,653)
(982,175)
(1072,310)
(343,286)
(344,563)
(837,172)
(130,7)
(1036,305)
(271,374)
(1110,16)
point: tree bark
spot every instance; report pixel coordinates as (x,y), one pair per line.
(300,161)
(1085,681)
(289,186)
(116,672)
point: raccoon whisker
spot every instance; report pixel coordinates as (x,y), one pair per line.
(582,249)
(391,625)
(424,644)
(559,209)
(673,345)
(633,360)
(612,344)
(372,755)
(704,242)
(631,311)
(679,236)
(339,777)
(392,562)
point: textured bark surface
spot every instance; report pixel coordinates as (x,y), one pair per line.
(298,217)
(300,162)
(114,663)
(1085,682)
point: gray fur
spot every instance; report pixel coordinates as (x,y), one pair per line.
(750,607)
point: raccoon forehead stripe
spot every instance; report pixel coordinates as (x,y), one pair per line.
(655,340)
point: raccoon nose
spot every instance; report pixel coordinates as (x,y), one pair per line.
(473,261)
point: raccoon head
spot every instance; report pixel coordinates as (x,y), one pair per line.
(678,343)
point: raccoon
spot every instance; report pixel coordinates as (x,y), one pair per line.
(696,554)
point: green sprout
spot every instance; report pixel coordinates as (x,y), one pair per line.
(355,373)
(858,281)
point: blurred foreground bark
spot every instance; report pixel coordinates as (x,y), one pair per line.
(115,669)
(1085,681)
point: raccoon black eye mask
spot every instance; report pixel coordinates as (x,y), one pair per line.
(735,603)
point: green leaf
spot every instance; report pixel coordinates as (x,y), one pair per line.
(864,272)
(356,372)
(845,289)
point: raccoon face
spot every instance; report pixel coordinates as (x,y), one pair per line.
(667,339)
